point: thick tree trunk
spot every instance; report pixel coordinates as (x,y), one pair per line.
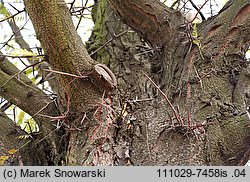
(81,84)
(206,82)
(144,136)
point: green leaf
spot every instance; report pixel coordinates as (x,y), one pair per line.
(22,52)
(195,31)
(31,126)
(20,118)
(23,137)
(4,11)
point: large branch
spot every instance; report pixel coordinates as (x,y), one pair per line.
(55,29)
(65,50)
(154,21)
(232,39)
(224,40)
(18,89)
(24,45)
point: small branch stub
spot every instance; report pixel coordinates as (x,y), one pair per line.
(103,78)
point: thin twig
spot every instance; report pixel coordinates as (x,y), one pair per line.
(43,108)
(53,118)
(64,73)
(197,9)
(13,76)
(177,116)
(198,76)
(115,36)
(27,56)
(12,16)
(14,33)
(71,5)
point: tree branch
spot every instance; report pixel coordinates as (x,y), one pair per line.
(27,96)
(223,41)
(198,10)
(11,16)
(232,39)
(151,19)
(24,94)
(58,37)
(24,45)
(65,51)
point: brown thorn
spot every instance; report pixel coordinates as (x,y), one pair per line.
(64,73)
(176,114)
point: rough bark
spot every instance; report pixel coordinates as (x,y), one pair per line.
(199,82)
(65,51)
(79,96)
(19,39)
(9,138)
(18,89)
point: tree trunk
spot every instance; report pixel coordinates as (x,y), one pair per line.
(206,122)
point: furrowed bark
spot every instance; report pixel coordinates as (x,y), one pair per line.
(18,89)
(198,80)
(9,138)
(78,97)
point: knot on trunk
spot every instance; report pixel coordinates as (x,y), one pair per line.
(103,78)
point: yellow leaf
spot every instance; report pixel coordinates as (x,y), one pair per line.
(23,137)
(3,158)
(12,151)
(22,52)
(195,31)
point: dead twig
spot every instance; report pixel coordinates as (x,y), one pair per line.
(115,36)
(64,73)
(176,114)
(198,10)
